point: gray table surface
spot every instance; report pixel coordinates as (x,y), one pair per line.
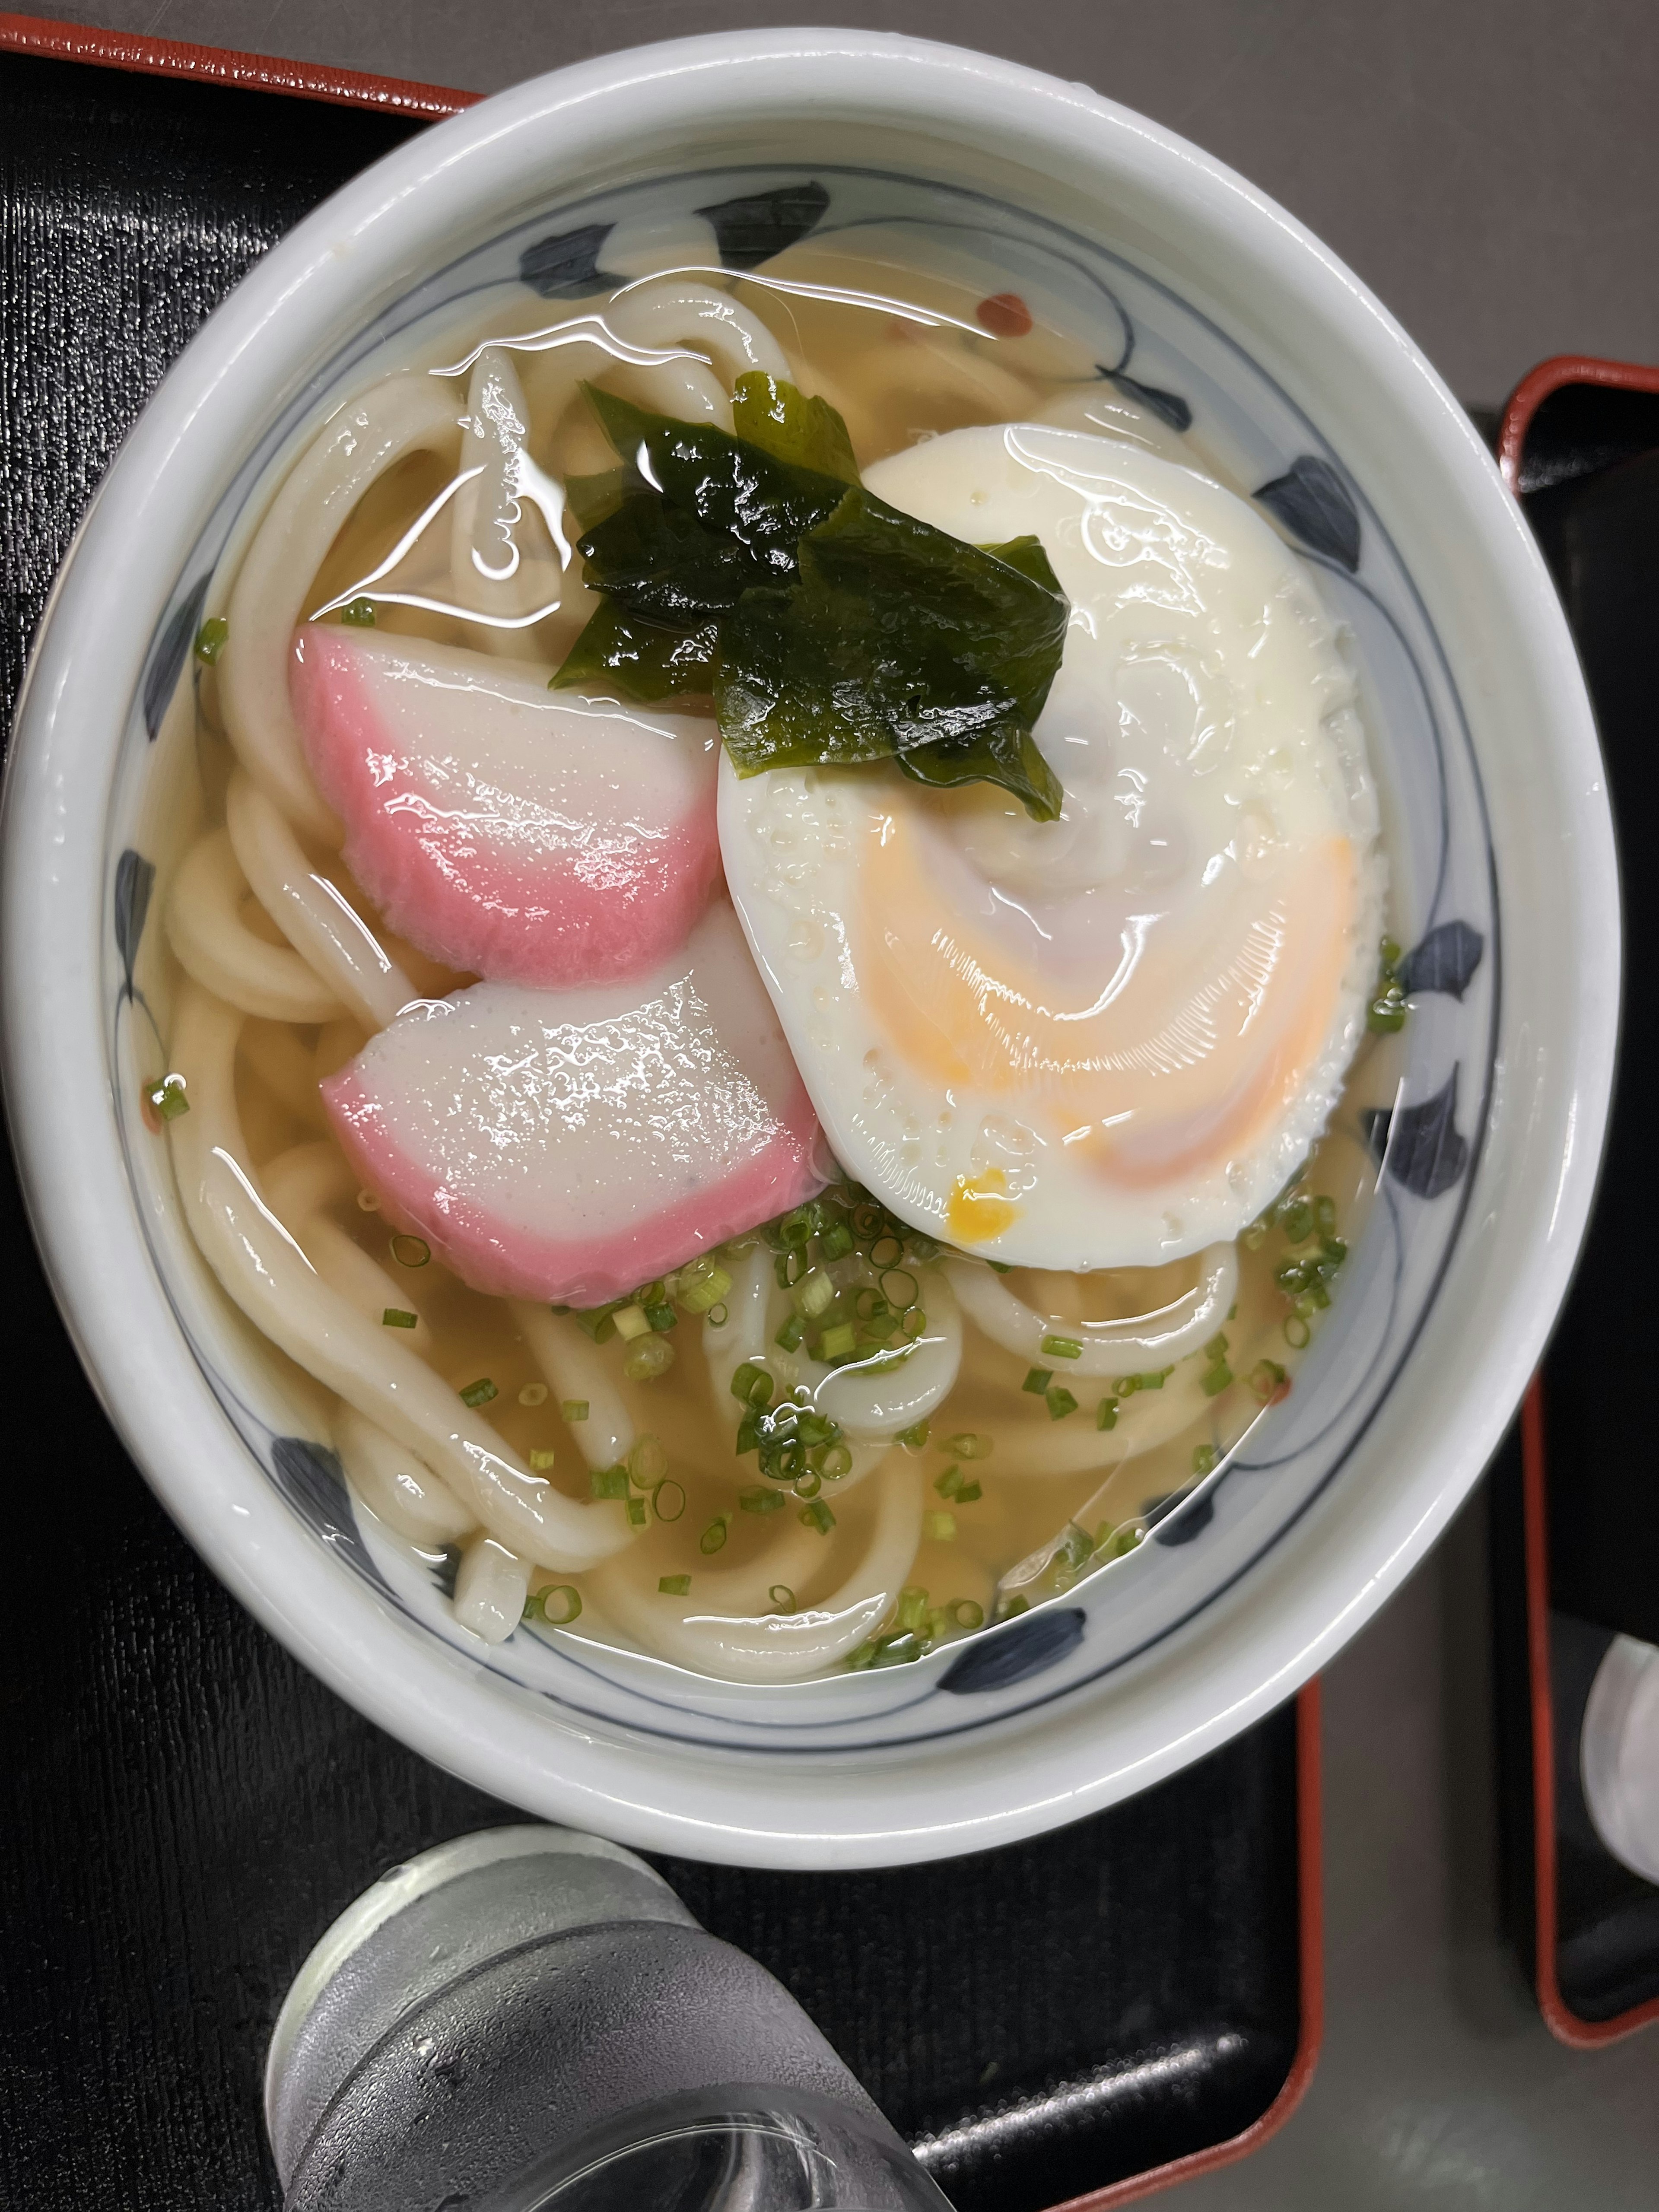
(1490,168)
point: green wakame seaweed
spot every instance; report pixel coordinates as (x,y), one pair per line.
(831,626)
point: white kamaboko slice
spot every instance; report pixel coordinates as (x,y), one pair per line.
(263,1268)
(528,835)
(571,1144)
(1105,1041)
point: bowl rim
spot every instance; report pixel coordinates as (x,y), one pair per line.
(84,1211)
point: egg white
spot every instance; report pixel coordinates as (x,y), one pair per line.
(1203,725)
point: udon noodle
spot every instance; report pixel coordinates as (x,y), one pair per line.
(973,1437)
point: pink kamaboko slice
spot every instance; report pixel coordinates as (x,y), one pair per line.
(527,835)
(572,1145)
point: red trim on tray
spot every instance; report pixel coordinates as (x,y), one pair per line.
(124,50)
(1565,2025)
(1559,2018)
(1536,386)
(1310,1882)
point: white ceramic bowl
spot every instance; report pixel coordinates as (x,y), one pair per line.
(1499,834)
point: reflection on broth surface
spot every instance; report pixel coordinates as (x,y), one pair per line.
(771,989)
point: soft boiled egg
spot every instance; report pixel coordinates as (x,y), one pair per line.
(1110,1039)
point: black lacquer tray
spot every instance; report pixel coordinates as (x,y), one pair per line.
(1576,1507)
(1090,2015)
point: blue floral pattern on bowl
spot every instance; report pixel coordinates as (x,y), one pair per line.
(1160,351)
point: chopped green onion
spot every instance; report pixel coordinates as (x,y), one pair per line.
(713,1538)
(598,1323)
(647,1463)
(410,1251)
(912,1607)
(1297,1220)
(782,1597)
(573,1409)
(479,1393)
(1117,1543)
(1062,1347)
(629,1321)
(1075,1547)
(674,1585)
(900,1288)
(761,1501)
(541,1461)
(399,1317)
(1325,1216)
(836,1241)
(941,1527)
(969,1494)
(837,1461)
(809,1484)
(1268,1381)
(1037,1380)
(964,1613)
(1216,1379)
(967,1445)
(718,1316)
(636,1513)
(701,1285)
(815,1515)
(360,612)
(1127,1385)
(913,1324)
(1296,1332)
(607,1482)
(1106,1414)
(896,1649)
(1059,1403)
(752,1385)
(914,1438)
(167,1099)
(839,1342)
(813,1295)
(789,1336)
(1216,1350)
(1008,1608)
(211,638)
(648,1359)
(886,1252)
(1206,1458)
(950,1482)
(561,1604)
(661,1317)
(533,1394)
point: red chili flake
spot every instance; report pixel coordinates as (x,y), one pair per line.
(1004,314)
